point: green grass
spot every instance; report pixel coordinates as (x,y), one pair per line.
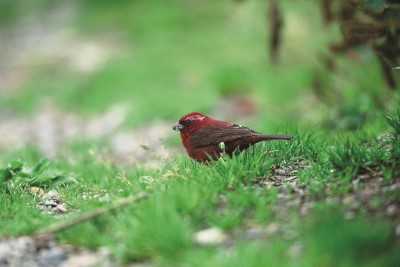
(185,197)
(173,57)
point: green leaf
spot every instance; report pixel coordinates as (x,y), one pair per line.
(41,166)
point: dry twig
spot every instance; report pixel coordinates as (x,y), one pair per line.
(88,215)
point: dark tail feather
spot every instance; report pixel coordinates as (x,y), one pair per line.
(275,137)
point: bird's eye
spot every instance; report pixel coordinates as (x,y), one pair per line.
(185,122)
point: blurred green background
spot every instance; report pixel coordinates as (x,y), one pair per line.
(65,65)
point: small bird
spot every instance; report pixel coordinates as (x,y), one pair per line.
(205,138)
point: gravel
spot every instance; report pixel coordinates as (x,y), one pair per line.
(26,251)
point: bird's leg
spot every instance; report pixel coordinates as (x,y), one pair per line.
(222,148)
(222,153)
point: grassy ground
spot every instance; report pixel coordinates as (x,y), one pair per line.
(328,198)
(321,218)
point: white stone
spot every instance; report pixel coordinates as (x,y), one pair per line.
(210,236)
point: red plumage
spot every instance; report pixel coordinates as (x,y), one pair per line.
(205,138)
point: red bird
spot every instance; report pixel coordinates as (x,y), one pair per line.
(205,138)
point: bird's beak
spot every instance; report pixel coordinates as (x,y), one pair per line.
(177,127)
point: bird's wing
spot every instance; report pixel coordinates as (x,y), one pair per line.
(214,134)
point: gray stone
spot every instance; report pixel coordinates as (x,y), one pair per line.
(51,203)
(52,257)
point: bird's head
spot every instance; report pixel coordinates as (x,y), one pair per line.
(191,122)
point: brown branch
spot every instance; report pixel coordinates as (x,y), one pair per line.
(88,215)
(275,23)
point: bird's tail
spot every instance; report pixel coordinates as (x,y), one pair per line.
(275,137)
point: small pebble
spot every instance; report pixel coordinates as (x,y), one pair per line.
(254,233)
(82,260)
(40,207)
(211,236)
(273,228)
(397,230)
(61,207)
(52,257)
(52,194)
(50,203)
(391,210)
(104,198)
(37,190)
(303,209)
(349,215)
(295,250)
(347,200)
